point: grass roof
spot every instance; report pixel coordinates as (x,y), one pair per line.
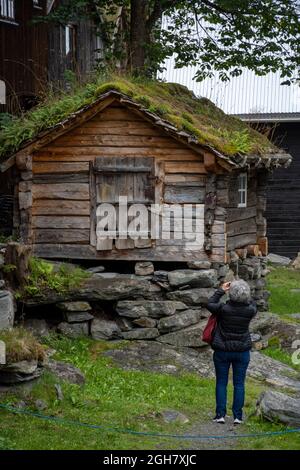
(172,102)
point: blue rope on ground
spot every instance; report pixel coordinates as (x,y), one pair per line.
(58,420)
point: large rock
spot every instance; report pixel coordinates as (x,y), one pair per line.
(161,358)
(187,337)
(193,278)
(273,372)
(144,268)
(270,325)
(73,330)
(74,306)
(38,327)
(148,308)
(296,262)
(19,372)
(179,320)
(7,313)
(276,406)
(78,317)
(199,264)
(104,328)
(198,296)
(141,333)
(103,286)
(145,322)
(278,260)
(66,372)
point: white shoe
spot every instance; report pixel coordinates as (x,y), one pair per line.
(237,421)
(220,420)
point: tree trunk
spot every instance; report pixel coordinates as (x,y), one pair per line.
(138,35)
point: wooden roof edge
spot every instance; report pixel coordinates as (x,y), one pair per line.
(74,119)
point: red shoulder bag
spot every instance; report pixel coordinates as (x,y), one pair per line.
(208,332)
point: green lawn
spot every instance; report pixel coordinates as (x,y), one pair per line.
(281,281)
(123,399)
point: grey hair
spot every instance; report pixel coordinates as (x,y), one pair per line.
(239,292)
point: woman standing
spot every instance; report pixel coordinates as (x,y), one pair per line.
(231,344)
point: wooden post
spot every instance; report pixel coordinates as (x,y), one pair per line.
(263,245)
(17,258)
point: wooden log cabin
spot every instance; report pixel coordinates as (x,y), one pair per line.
(156,144)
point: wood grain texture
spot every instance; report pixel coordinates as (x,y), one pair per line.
(81,236)
(61,207)
(79,192)
(152,254)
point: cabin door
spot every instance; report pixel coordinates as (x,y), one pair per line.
(124,189)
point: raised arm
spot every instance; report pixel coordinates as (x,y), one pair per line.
(214,304)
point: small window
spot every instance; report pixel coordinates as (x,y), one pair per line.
(70,39)
(7,9)
(2,92)
(242,190)
(36,4)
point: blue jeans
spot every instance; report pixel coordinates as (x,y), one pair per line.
(222,362)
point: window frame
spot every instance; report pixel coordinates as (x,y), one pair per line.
(9,7)
(242,189)
(36,4)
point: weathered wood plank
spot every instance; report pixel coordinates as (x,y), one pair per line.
(79,192)
(184,167)
(64,178)
(240,213)
(151,254)
(242,227)
(184,179)
(118,141)
(61,236)
(114,114)
(59,207)
(54,167)
(71,222)
(116,128)
(159,154)
(239,241)
(184,194)
(110,150)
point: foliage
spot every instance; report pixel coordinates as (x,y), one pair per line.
(216,36)
(281,281)
(173,102)
(45,276)
(275,352)
(21,345)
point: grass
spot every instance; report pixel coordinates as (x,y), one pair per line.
(280,282)
(47,276)
(123,399)
(21,346)
(173,102)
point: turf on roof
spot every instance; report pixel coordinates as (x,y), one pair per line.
(173,102)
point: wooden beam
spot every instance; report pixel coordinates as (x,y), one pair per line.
(209,161)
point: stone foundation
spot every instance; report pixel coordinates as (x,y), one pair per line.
(165,306)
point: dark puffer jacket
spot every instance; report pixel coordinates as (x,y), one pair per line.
(232,332)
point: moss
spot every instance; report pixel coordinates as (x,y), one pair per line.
(45,276)
(21,346)
(173,102)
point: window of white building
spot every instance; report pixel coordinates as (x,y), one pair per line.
(7,9)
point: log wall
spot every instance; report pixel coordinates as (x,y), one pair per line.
(61,190)
(247,225)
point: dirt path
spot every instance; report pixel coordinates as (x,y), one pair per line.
(208,428)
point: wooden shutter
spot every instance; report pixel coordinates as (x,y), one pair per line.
(132,177)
